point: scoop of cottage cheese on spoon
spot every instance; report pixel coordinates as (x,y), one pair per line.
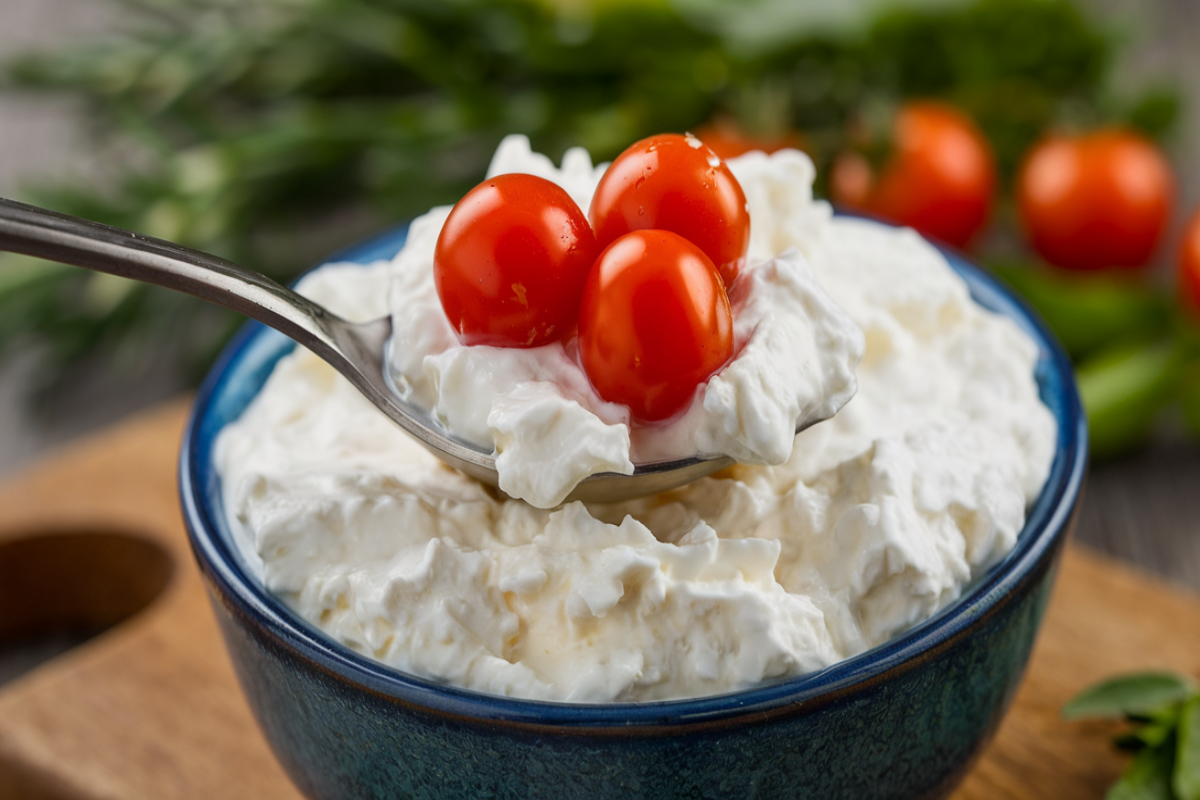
(795,350)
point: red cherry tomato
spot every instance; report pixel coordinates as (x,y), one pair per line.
(1095,201)
(1189,264)
(940,177)
(511,262)
(674,183)
(726,138)
(654,324)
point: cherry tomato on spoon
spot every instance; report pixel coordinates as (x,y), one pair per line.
(655,323)
(511,262)
(675,183)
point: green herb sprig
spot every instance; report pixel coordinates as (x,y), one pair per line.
(1165,739)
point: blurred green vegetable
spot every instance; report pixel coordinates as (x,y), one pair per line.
(1190,397)
(1137,355)
(273,132)
(1124,389)
(1090,312)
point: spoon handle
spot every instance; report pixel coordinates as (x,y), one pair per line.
(70,240)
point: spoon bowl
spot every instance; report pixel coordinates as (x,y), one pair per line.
(356,350)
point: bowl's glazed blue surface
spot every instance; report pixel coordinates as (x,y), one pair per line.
(904,720)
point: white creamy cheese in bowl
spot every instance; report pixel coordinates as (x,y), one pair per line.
(875,520)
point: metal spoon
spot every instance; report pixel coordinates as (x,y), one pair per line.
(357,350)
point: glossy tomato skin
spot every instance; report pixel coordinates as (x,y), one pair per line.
(654,324)
(511,261)
(1189,264)
(1094,201)
(674,183)
(939,178)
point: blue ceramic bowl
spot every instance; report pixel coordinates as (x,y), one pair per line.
(904,720)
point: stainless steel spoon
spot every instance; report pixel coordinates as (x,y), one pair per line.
(357,350)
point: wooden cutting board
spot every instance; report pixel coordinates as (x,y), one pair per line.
(151,708)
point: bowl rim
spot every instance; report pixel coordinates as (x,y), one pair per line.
(1045,527)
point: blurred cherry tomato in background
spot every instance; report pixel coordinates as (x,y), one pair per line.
(655,323)
(727,139)
(1189,263)
(511,262)
(939,176)
(1095,201)
(675,183)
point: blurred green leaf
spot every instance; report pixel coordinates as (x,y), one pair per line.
(1186,778)
(1153,733)
(1156,112)
(1189,396)
(1148,777)
(1089,312)
(1166,740)
(1124,388)
(1137,695)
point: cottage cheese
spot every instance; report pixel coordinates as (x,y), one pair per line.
(878,517)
